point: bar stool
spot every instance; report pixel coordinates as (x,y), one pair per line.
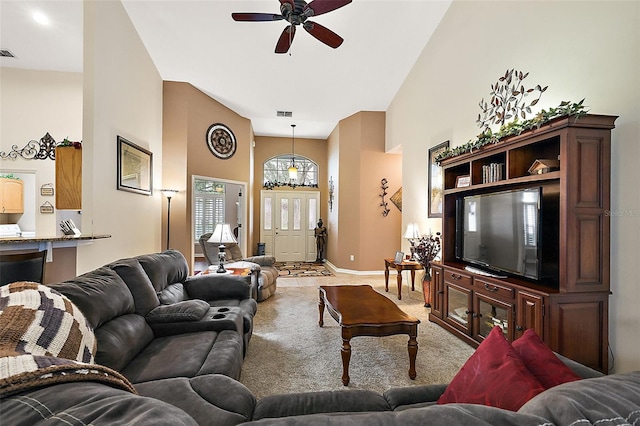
(22,267)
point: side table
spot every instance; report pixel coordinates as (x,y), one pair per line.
(404,266)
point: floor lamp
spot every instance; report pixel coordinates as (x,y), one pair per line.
(169,193)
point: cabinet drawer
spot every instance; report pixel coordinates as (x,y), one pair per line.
(456,277)
(490,287)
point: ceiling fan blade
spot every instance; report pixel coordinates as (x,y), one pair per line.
(256,17)
(285,40)
(323,34)
(318,7)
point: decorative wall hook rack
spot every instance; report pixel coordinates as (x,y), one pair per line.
(384,185)
(331,188)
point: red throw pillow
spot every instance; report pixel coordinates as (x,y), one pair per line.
(541,361)
(494,375)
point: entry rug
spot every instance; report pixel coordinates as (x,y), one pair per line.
(302,269)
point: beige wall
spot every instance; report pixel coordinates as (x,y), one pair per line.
(362,163)
(188,113)
(585,50)
(122,96)
(268,147)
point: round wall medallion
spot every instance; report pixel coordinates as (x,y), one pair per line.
(221,141)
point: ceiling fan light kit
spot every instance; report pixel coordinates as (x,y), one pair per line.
(296,12)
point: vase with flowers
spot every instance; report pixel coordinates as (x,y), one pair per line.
(425,250)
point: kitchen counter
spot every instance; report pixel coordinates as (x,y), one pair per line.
(43,239)
(40,243)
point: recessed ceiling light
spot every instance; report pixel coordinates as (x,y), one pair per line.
(40,18)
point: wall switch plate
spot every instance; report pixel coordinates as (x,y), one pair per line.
(352,258)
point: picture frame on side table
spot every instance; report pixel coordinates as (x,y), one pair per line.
(135,168)
(435,180)
(399,257)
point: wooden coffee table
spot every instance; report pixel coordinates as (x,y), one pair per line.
(362,311)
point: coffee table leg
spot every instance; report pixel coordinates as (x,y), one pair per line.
(321,309)
(346,357)
(399,284)
(413,351)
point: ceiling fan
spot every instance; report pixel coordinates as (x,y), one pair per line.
(296,12)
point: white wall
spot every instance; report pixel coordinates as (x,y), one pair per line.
(32,104)
(580,50)
(122,96)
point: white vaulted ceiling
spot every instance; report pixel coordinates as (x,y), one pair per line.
(234,62)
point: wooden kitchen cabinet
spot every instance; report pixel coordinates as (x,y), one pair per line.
(68,178)
(11,195)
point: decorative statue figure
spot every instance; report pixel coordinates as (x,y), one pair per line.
(321,240)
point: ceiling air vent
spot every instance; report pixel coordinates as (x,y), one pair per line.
(6,53)
(284,114)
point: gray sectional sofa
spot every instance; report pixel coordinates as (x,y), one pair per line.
(145,313)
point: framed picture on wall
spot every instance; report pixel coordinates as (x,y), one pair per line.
(435,184)
(135,168)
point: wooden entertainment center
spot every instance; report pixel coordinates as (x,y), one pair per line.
(570,311)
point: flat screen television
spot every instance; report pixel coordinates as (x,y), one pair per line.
(505,232)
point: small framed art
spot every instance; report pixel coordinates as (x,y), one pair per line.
(135,168)
(463,181)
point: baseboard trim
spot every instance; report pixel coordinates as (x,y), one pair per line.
(335,269)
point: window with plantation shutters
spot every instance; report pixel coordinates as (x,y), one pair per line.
(208,205)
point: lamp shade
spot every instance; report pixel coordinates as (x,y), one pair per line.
(169,192)
(222,234)
(293,172)
(412,231)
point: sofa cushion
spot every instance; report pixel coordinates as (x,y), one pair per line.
(134,276)
(164,269)
(173,293)
(606,400)
(121,339)
(212,399)
(541,361)
(188,310)
(91,290)
(188,355)
(85,403)
(494,375)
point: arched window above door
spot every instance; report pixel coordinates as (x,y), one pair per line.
(276,171)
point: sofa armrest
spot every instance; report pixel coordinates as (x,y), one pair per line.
(261,260)
(218,286)
(286,405)
(580,369)
(411,395)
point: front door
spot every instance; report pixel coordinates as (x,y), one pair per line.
(287,223)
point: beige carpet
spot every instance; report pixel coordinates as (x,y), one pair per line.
(289,352)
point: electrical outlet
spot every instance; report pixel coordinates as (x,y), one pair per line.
(352,258)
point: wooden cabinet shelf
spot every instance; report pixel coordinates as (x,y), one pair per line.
(569,310)
(11,195)
(68,178)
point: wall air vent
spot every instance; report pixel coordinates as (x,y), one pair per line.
(284,114)
(4,53)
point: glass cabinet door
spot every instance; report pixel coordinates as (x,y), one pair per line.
(458,304)
(488,313)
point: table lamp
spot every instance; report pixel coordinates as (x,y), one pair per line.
(222,235)
(412,234)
